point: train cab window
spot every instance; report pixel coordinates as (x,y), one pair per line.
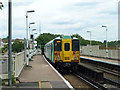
(75,45)
(67,46)
(57,45)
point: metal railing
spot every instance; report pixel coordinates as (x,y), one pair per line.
(17,65)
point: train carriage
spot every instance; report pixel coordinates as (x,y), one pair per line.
(63,51)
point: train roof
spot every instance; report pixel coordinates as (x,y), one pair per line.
(66,37)
(62,37)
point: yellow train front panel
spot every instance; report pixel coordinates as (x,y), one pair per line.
(66,54)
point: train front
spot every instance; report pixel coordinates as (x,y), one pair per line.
(66,52)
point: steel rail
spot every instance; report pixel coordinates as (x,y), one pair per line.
(115,67)
(93,83)
(112,82)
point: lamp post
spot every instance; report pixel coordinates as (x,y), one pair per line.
(33,40)
(90,43)
(30,56)
(27,35)
(1,5)
(35,33)
(34,43)
(33,30)
(9,42)
(106,41)
(29,26)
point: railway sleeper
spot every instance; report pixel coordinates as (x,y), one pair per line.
(90,72)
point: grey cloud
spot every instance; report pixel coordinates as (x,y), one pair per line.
(86,4)
(16,4)
(74,16)
(108,12)
(63,22)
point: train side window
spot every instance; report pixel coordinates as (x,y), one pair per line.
(75,45)
(57,46)
(67,46)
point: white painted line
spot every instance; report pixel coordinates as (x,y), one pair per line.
(66,82)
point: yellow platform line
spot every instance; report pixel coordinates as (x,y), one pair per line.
(39,84)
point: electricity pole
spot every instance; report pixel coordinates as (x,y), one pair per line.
(90,43)
(9,42)
(27,35)
(106,42)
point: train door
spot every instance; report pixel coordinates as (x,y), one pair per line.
(66,43)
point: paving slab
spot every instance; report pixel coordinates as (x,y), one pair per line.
(44,85)
(58,84)
(40,71)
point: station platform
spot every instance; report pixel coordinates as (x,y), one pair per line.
(41,75)
(117,62)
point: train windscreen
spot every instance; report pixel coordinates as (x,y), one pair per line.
(67,46)
(57,45)
(75,45)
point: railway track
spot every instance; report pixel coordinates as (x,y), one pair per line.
(82,81)
(112,82)
(70,77)
(111,75)
(108,74)
(87,83)
(79,83)
(111,67)
(93,83)
(108,69)
(105,84)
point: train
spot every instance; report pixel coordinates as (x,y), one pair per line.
(63,51)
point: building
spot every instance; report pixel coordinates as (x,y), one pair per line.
(4,42)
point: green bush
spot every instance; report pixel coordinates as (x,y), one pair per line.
(17,47)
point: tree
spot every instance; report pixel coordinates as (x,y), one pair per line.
(1,5)
(17,47)
(114,43)
(84,42)
(6,38)
(4,49)
(44,38)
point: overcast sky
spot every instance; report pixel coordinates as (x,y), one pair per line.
(64,17)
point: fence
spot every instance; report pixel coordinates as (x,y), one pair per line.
(17,65)
(0,83)
(97,51)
